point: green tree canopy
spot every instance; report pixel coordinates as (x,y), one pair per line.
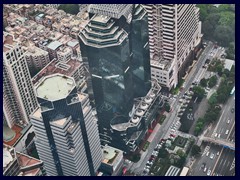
(212,81)
(167,107)
(203,82)
(69,8)
(213,99)
(196,150)
(199,92)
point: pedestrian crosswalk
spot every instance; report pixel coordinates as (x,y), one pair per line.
(205,150)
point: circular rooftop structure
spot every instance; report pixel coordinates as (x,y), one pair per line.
(55,87)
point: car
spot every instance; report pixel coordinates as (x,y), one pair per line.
(147,167)
(209,172)
(227,131)
(232,110)
(149,163)
(216,135)
(219,135)
(228,121)
(207,153)
(205,169)
(218,153)
(211,156)
(203,165)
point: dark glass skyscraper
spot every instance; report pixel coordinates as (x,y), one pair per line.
(114,47)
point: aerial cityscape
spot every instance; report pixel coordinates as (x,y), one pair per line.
(119,89)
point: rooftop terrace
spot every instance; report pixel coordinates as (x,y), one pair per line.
(55,87)
(8,40)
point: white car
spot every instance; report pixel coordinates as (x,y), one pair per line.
(218,153)
(207,153)
(205,169)
(209,172)
(211,156)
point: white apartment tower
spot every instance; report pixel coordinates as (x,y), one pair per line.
(19,100)
(174,33)
(67,137)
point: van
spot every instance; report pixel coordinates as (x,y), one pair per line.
(227,131)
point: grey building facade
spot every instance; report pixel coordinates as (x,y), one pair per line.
(67,137)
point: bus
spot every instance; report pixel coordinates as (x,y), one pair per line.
(184,171)
(232,91)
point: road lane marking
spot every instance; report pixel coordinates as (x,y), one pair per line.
(232,165)
(231,130)
(217,161)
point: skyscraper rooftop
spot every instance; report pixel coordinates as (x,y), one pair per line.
(55,87)
(111,10)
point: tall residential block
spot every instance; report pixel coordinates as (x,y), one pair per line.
(115,50)
(19,100)
(67,137)
(174,39)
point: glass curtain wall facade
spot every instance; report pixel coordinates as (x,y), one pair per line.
(116,52)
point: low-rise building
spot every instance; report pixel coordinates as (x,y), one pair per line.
(72,68)
(19,164)
(112,161)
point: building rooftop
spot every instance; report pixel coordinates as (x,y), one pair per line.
(56,67)
(8,40)
(110,154)
(8,156)
(60,122)
(101,18)
(228,64)
(72,43)
(54,45)
(55,87)
(28,166)
(11,136)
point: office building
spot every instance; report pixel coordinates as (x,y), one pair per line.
(117,68)
(67,137)
(174,39)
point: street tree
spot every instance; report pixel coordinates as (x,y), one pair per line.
(196,150)
(199,92)
(212,81)
(203,82)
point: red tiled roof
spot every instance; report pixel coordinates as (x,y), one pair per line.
(17,129)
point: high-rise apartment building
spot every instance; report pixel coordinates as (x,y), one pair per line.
(67,137)
(19,100)
(114,47)
(174,38)
(36,58)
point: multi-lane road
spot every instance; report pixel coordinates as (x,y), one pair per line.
(171,117)
(225,129)
(216,160)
